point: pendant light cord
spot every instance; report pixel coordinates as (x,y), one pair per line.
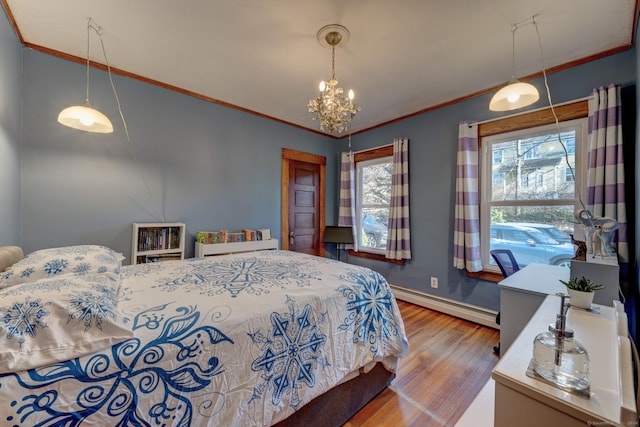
(555,115)
(557,123)
(88,45)
(91,25)
(98,30)
(513,51)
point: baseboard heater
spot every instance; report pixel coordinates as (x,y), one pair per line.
(472,313)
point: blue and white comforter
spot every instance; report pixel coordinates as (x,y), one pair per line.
(237,340)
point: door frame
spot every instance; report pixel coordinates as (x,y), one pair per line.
(300,156)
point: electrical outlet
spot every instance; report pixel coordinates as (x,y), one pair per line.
(434,282)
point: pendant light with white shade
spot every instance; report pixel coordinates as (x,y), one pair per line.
(85,117)
(515,94)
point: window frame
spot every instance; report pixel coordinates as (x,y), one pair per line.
(362,156)
(531,179)
(569,111)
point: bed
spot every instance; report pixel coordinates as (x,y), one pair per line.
(265,338)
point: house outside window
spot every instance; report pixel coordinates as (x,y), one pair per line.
(527,202)
(373,197)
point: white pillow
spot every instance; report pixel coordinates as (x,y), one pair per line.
(54,262)
(9,255)
(57,319)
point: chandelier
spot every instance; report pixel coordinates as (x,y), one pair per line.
(332,108)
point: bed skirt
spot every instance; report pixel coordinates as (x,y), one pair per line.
(339,404)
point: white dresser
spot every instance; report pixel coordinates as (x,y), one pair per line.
(522,293)
(521,400)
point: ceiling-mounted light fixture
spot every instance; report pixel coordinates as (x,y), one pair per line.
(85,117)
(516,94)
(331,107)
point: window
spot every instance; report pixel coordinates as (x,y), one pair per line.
(530,150)
(568,175)
(497,156)
(528,199)
(373,197)
(540,182)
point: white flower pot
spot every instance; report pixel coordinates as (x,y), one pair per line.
(580,299)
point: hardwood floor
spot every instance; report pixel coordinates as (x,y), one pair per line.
(450,361)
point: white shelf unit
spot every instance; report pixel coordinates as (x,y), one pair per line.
(157,241)
(203,249)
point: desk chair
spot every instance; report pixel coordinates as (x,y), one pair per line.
(508,265)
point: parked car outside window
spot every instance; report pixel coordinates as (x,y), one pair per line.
(530,245)
(374,232)
(549,229)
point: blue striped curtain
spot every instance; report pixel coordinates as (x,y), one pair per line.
(605,170)
(466,233)
(347,208)
(399,241)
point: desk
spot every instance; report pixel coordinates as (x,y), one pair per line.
(522,293)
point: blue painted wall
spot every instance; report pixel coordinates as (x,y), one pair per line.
(213,167)
(206,165)
(10,108)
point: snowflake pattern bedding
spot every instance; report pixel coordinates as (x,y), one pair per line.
(236,340)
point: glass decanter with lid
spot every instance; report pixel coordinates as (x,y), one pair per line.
(558,358)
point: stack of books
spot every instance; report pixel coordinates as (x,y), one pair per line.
(208,237)
(224,236)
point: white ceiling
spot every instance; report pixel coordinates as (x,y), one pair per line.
(403,56)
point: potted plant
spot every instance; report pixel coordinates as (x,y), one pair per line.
(581,291)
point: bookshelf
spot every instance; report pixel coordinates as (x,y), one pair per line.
(204,249)
(157,241)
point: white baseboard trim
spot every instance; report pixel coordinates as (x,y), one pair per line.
(472,313)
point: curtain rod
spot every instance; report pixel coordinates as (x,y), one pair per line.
(369,149)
